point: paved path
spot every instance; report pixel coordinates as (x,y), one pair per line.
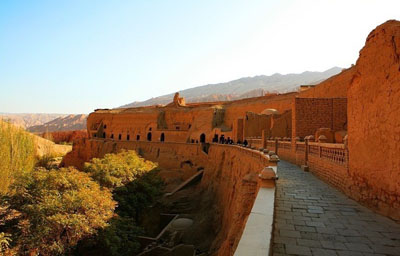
(313,218)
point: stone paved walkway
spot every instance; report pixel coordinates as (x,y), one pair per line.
(313,218)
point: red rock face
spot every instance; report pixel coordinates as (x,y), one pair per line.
(374,121)
(65,136)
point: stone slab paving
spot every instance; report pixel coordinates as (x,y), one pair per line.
(313,218)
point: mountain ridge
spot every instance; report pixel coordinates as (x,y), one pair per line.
(244,87)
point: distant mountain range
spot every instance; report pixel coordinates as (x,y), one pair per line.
(46,122)
(246,87)
(64,123)
(28,119)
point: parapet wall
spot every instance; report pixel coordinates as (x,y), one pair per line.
(230,173)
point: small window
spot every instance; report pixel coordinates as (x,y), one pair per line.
(127,137)
(138,137)
(190,126)
(105,126)
(95,135)
(112,136)
(119,137)
(150,129)
(104,135)
(177,127)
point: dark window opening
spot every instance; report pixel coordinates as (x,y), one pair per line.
(105,126)
(162,138)
(202,138)
(104,135)
(119,137)
(149,136)
(95,135)
(150,129)
(127,137)
(177,127)
(112,136)
(137,137)
(190,126)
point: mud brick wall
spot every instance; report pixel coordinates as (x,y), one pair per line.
(311,114)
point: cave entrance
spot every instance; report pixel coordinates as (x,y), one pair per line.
(162,138)
(149,136)
(202,138)
(137,137)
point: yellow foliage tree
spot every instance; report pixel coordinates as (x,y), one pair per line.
(17,154)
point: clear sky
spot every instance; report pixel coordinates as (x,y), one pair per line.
(74,56)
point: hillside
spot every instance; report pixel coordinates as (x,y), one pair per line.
(28,119)
(65,123)
(243,88)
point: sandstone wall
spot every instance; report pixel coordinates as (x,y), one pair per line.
(230,173)
(374,122)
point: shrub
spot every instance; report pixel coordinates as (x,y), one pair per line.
(115,170)
(120,238)
(17,154)
(56,209)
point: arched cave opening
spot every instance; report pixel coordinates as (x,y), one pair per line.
(127,137)
(162,138)
(149,136)
(202,138)
(119,137)
(137,137)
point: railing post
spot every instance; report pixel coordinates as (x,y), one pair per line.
(306,152)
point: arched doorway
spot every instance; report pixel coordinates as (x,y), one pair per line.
(202,138)
(162,138)
(149,136)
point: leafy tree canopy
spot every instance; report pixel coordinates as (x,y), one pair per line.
(115,170)
(56,209)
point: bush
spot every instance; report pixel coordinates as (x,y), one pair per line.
(115,170)
(56,209)
(120,238)
(17,154)
(136,196)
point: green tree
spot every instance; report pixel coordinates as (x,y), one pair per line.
(17,154)
(57,208)
(115,170)
(120,238)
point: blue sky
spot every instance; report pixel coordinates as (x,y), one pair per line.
(75,56)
